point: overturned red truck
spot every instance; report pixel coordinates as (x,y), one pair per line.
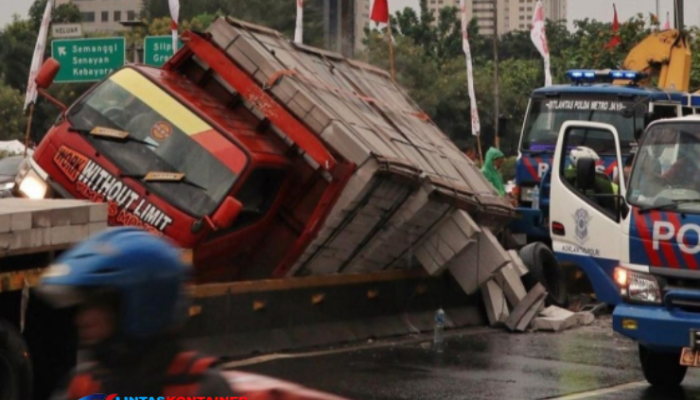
(266,158)
(315,198)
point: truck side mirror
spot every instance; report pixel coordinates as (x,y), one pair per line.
(47,73)
(227,213)
(585,174)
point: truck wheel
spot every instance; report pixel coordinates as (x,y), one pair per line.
(661,369)
(544,268)
(15,365)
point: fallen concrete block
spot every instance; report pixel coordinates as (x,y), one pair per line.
(518,263)
(585,318)
(495,303)
(477,263)
(530,315)
(531,301)
(555,319)
(556,312)
(509,280)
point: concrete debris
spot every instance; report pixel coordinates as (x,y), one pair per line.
(508,279)
(518,263)
(479,262)
(556,319)
(495,303)
(522,314)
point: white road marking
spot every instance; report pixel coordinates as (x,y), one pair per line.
(600,392)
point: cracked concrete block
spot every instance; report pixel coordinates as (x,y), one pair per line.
(478,262)
(518,263)
(495,303)
(530,302)
(508,279)
(526,320)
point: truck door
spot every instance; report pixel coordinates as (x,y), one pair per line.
(585,206)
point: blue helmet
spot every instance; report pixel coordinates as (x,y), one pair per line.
(145,272)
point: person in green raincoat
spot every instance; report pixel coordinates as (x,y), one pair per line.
(492,164)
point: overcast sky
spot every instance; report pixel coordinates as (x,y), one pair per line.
(578,9)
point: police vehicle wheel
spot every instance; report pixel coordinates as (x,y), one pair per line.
(661,369)
(544,268)
(15,365)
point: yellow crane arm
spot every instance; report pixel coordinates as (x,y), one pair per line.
(664,54)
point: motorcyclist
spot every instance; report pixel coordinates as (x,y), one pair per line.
(129,287)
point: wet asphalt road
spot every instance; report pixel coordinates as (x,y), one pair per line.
(586,363)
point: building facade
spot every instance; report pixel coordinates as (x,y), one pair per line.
(511,14)
(105,15)
(344,25)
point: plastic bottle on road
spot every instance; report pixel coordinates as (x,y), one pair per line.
(438,339)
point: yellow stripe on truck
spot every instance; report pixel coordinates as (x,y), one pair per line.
(143,89)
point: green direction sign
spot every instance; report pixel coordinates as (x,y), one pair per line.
(158,50)
(88,60)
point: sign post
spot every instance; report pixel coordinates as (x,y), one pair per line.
(88,60)
(158,49)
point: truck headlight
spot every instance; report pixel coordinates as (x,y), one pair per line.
(32,186)
(526,193)
(637,286)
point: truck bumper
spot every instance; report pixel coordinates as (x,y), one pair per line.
(528,222)
(656,327)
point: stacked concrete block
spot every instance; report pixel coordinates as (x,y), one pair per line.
(381,218)
(34,224)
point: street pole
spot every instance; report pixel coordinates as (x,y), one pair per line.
(658,11)
(680,14)
(496,89)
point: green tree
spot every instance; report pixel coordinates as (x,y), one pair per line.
(12,121)
(64,13)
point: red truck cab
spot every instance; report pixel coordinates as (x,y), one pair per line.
(166,155)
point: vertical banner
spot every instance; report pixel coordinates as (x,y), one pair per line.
(175,17)
(299,31)
(38,57)
(476,124)
(539,39)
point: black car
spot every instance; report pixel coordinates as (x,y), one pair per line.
(8,170)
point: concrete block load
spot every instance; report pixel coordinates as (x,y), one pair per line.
(29,226)
(414,199)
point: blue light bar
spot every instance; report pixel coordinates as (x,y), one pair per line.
(591,75)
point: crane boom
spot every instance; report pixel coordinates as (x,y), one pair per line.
(664,54)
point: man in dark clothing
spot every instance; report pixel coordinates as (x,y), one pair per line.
(129,288)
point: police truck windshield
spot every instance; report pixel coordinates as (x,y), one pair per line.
(160,135)
(666,174)
(546,116)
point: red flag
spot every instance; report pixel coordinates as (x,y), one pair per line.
(380,11)
(615,28)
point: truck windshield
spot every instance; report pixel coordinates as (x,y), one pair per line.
(546,116)
(666,171)
(165,136)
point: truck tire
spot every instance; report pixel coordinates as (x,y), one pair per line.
(544,268)
(661,369)
(15,365)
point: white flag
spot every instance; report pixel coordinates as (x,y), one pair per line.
(476,124)
(539,38)
(38,57)
(174,17)
(299,31)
